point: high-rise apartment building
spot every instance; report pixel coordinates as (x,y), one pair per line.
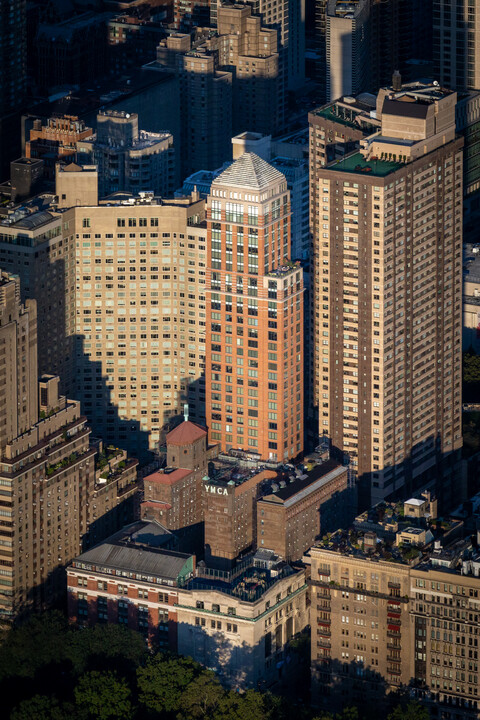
(287,17)
(254,348)
(38,245)
(206,99)
(387,294)
(129,159)
(229,82)
(347,36)
(51,493)
(140,322)
(13,55)
(456,53)
(258,85)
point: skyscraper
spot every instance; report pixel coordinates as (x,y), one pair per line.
(13,76)
(348,62)
(140,327)
(287,17)
(387,296)
(456,43)
(254,344)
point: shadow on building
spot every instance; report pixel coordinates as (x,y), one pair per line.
(93,389)
(426,467)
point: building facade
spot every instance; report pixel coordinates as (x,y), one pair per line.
(173,494)
(39,247)
(51,493)
(56,140)
(254,348)
(387,260)
(290,518)
(129,159)
(230,510)
(140,323)
(456,57)
(13,81)
(239,624)
(397,609)
(347,38)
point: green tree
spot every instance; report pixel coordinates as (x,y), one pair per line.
(202,698)
(163,680)
(37,643)
(90,648)
(103,696)
(41,707)
(409,711)
(248,706)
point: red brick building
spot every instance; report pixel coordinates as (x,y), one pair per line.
(254,343)
(230,513)
(131,579)
(173,495)
(290,518)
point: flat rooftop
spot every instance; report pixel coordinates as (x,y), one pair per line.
(356,163)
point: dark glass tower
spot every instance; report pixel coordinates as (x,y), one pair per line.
(13,77)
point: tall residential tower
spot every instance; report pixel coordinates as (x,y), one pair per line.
(254,347)
(387,295)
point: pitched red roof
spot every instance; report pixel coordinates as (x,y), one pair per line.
(185,434)
(168,478)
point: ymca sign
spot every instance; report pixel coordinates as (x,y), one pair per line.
(216,490)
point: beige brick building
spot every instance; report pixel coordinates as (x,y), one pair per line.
(387,294)
(238,623)
(38,245)
(140,316)
(404,613)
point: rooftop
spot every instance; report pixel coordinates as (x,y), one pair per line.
(168,476)
(247,581)
(129,561)
(356,163)
(185,434)
(249,171)
(351,112)
(301,485)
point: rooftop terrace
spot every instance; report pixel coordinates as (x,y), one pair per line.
(356,163)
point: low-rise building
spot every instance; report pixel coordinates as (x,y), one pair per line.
(239,623)
(290,516)
(133,579)
(173,494)
(230,496)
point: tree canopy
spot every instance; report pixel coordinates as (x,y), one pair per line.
(50,670)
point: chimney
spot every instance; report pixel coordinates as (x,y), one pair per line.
(396,81)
